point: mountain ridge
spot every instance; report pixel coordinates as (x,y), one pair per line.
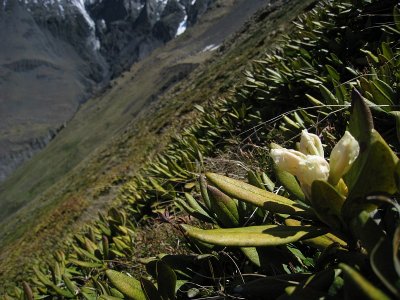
(62,52)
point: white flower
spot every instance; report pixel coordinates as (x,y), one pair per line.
(306,168)
(342,157)
(309,163)
(310,144)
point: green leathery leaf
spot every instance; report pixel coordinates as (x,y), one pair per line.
(327,203)
(271,286)
(224,207)
(195,205)
(268,183)
(183,205)
(43,278)
(383,266)
(85,253)
(105,245)
(364,228)
(332,72)
(396,246)
(252,254)
(255,179)
(254,236)
(383,94)
(70,285)
(166,279)
(361,124)
(359,286)
(203,191)
(50,284)
(396,115)
(290,184)
(372,173)
(261,198)
(149,290)
(114,292)
(85,264)
(396,16)
(320,242)
(107,297)
(27,290)
(127,285)
(330,98)
(314,101)
(387,52)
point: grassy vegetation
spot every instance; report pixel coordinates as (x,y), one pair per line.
(280,222)
(67,203)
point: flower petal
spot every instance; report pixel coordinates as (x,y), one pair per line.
(288,160)
(306,168)
(310,144)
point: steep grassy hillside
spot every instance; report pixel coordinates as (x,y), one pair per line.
(74,192)
(284,221)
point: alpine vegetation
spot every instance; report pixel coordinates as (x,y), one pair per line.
(258,215)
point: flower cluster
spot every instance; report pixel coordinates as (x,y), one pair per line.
(308,164)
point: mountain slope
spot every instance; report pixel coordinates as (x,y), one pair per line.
(55,212)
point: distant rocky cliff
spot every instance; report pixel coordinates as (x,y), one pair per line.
(56,53)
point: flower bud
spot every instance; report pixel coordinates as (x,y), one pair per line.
(342,157)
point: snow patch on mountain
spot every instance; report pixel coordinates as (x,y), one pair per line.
(81,7)
(211,47)
(182,26)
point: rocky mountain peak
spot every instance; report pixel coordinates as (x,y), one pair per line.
(57,53)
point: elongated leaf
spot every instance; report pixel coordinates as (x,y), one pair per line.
(261,198)
(185,206)
(396,116)
(374,169)
(270,287)
(203,191)
(70,285)
(107,297)
(268,183)
(327,203)
(253,236)
(361,124)
(224,207)
(366,230)
(373,173)
(396,246)
(194,204)
(396,15)
(252,254)
(383,266)
(150,290)
(27,290)
(85,264)
(332,72)
(321,242)
(50,284)
(129,286)
(329,98)
(290,184)
(166,279)
(359,287)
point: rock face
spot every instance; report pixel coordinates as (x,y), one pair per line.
(56,53)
